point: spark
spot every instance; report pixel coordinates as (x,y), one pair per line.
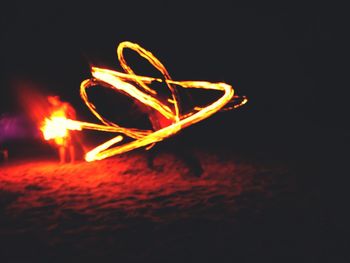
(137,87)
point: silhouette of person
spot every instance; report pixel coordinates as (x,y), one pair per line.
(5,154)
(59,108)
(3,128)
(175,144)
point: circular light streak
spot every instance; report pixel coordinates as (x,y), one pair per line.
(138,88)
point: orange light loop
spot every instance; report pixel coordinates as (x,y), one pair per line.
(137,87)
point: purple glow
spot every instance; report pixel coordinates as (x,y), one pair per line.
(14,127)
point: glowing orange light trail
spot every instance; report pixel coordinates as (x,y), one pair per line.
(141,92)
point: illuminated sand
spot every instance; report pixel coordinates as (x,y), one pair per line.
(119,209)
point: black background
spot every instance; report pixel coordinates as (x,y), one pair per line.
(290,62)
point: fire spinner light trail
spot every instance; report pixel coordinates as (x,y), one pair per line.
(142,92)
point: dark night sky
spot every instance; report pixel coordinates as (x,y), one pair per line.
(290,62)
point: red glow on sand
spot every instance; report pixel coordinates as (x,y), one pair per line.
(122,182)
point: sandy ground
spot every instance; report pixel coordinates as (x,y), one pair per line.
(117,210)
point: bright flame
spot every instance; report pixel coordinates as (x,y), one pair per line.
(54,128)
(57,128)
(140,91)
